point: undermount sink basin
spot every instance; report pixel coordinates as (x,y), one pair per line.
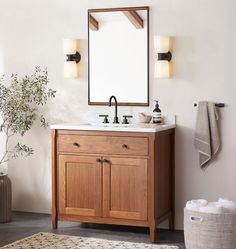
(111,125)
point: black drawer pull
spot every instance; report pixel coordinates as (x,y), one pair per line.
(76,144)
(125,146)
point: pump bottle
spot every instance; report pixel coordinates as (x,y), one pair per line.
(156,115)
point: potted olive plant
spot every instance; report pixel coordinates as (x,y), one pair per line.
(19,102)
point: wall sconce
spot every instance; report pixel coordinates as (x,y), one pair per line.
(162,48)
(73,58)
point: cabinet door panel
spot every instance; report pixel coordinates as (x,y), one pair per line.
(125,188)
(80,186)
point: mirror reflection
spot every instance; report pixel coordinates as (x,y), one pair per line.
(118,56)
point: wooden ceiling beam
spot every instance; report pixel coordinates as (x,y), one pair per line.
(93,23)
(134,18)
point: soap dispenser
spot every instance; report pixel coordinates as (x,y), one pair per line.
(156,115)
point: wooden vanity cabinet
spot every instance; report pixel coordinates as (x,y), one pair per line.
(124,178)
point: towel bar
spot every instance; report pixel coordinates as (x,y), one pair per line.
(217,105)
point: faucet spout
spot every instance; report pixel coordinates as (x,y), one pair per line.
(116,121)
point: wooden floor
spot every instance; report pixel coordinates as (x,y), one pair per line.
(26,224)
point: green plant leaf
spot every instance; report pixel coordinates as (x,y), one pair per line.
(19,102)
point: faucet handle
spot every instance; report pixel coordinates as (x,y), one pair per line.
(105,120)
(125,120)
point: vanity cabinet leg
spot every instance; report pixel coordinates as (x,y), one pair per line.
(152,233)
(54,179)
(172,222)
(54,221)
(172,216)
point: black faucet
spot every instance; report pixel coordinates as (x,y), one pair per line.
(116,121)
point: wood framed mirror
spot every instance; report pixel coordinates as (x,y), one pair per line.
(118,54)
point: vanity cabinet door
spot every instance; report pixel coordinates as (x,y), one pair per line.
(125,188)
(80,185)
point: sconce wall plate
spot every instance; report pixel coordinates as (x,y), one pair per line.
(74,57)
(165,56)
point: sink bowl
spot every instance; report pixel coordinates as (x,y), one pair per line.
(111,125)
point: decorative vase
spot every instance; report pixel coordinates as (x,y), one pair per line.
(5,198)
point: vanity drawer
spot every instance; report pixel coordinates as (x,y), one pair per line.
(103,144)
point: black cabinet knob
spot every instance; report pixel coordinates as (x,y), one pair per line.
(99,160)
(125,146)
(106,161)
(76,144)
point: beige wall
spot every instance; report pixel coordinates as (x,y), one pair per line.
(31,33)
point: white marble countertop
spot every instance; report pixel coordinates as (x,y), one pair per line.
(114,127)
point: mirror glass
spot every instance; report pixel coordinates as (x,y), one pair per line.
(118,56)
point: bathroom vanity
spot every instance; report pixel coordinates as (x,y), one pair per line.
(113,174)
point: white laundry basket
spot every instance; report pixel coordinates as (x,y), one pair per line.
(209,231)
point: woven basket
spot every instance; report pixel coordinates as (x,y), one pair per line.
(209,231)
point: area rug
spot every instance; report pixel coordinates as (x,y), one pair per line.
(55,241)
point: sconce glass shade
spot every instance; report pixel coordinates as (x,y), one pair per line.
(162,69)
(70,69)
(161,44)
(70,46)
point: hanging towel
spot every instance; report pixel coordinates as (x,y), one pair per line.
(207,138)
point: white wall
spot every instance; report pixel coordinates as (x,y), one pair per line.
(31,33)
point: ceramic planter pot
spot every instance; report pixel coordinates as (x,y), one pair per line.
(5,198)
